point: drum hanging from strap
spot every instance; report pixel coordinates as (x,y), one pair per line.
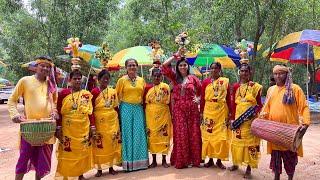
(282,134)
(37,132)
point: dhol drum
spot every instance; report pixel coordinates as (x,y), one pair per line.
(282,134)
(37,132)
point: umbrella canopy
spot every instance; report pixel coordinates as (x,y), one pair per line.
(30,65)
(298,47)
(210,53)
(195,71)
(141,53)
(87,53)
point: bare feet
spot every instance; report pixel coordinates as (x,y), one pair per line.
(209,163)
(153,165)
(233,168)
(81,177)
(98,174)
(247,175)
(164,164)
(220,165)
(112,171)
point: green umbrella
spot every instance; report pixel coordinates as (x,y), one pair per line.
(207,54)
(141,53)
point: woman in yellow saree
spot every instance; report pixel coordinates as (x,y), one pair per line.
(215,103)
(245,147)
(158,118)
(107,146)
(74,151)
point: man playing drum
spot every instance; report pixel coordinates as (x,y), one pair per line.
(39,95)
(286,103)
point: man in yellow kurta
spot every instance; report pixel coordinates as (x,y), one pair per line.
(286,103)
(215,100)
(158,118)
(39,97)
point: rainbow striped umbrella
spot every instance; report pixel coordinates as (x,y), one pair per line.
(298,48)
(141,53)
(210,53)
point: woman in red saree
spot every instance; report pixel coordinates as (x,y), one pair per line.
(185,114)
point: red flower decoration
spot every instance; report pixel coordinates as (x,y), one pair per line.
(87,96)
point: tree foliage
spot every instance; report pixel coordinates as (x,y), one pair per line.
(44,27)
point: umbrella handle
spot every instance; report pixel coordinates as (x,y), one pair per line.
(141,71)
(88,78)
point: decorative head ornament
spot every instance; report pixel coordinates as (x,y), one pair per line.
(75,63)
(156,53)
(72,49)
(243,48)
(104,55)
(182,40)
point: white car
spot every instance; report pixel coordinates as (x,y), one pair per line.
(5,93)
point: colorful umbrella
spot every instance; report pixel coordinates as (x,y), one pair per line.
(213,52)
(195,71)
(141,53)
(269,51)
(299,47)
(87,52)
(32,67)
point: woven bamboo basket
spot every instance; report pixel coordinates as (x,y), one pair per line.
(37,132)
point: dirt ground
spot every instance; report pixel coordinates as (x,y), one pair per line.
(308,167)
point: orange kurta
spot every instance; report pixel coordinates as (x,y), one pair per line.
(296,113)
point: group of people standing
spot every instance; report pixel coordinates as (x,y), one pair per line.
(107,127)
